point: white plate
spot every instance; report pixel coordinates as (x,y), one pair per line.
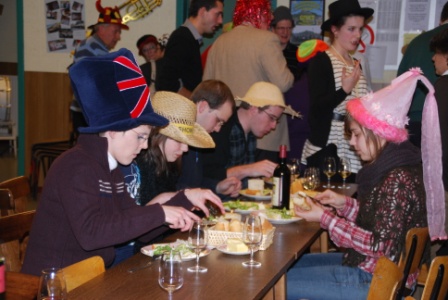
(247,211)
(255,197)
(284,221)
(223,249)
(149,251)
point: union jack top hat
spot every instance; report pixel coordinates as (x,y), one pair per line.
(113,93)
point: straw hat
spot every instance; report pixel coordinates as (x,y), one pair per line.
(181,112)
(263,94)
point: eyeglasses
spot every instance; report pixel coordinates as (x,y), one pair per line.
(140,137)
(149,48)
(283,28)
(272,117)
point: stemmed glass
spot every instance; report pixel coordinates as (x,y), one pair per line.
(329,169)
(52,285)
(294,167)
(197,241)
(252,237)
(344,171)
(309,179)
(171,277)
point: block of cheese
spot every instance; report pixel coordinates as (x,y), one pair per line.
(256,184)
(236,245)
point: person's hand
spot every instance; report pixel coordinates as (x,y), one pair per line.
(264,168)
(348,81)
(179,217)
(312,215)
(328,197)
(229,186)
(198,197)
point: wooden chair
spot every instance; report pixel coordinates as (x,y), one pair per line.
(7,204)
(21,286)
(83,271)
(14,232)
(385,280)
(20,189)
(436,286)
(409,263)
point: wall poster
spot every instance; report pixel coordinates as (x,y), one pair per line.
(308,16)
(65,24)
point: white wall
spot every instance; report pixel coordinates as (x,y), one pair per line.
(161,20)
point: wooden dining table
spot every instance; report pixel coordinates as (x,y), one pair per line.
(226,277)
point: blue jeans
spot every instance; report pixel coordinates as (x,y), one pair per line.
(322,276)
(122,252)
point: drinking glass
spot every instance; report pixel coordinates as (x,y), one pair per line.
(309,179)
(197,241)
(52,285)
(171,277)
(344,171)
(252,237)
(329,169)
(294,167)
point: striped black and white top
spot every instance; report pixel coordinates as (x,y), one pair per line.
(336,135)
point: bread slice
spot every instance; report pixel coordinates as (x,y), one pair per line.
(301,202)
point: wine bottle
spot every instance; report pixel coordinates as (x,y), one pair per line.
(2,278)
(282,182)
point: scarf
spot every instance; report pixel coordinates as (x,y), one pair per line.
(376,211)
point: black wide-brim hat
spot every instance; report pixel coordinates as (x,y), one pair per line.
(342,8)
(113,93)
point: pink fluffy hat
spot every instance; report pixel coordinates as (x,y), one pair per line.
(385,113)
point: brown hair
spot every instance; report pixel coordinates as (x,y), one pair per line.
(155,155)
(371,138)
(214,92)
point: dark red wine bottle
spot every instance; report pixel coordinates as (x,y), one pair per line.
(282,182)
(2,279)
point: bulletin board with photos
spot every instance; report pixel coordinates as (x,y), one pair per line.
(65,24)
(308,16)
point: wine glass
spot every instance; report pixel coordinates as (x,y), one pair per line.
(329,169)
(309,179)
(344,171)
(171,277)
(252,237)
(294,167)
(52,285)
(197,241)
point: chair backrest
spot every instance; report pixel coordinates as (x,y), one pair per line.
(7,204)
(416,240)
(21,286)
(436,286)
(20,189)
(385,280)
(14,232)
(83,271)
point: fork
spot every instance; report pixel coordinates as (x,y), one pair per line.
(147,265)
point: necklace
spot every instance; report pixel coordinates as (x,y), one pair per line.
(341,58)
